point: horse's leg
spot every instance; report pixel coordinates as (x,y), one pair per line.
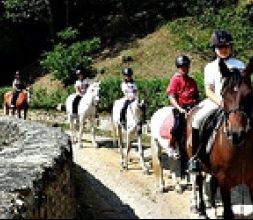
(213,192)
(128,148)
(120,140)
(13,111)
(226,200)
(72,128)
(175,168)
(175,173)
(81,127)
(93,132)
(202,206)
(6,109)
(19,113)
(114,134)
(157,164)
(194,196)
(141,155)
(25,113)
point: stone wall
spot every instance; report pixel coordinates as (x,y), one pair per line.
(35,171)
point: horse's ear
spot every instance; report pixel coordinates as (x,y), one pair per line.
(225,72)
(249,68)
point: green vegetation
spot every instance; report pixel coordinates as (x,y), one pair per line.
(66,57)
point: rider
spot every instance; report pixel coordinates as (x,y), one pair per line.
(129,90)
(82,82)
(81,87)
(183,95)
(221,43)
(17,86)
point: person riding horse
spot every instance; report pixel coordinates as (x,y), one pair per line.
(129,90)
(17,87)
(81,86)
(221,42)
(183,95)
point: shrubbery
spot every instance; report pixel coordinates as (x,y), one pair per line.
(193,33)
(66,56)
(153,92)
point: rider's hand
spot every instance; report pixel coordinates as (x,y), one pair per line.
(183,111)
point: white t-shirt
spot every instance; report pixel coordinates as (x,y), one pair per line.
(212,74)
(83,84)
(129,89)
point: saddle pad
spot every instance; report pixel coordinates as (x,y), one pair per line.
(167,126)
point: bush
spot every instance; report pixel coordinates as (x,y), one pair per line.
(153,92)
(196,33)
(66,57)
(43,99)
(3,90)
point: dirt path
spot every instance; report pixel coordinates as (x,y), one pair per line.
(104,191)
(122,194)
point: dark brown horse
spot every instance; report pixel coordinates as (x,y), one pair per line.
(21,104)
(231,159)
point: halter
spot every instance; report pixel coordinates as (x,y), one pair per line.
(236,110)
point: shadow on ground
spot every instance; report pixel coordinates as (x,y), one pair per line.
(96,201)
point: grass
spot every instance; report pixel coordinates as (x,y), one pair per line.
(153,56)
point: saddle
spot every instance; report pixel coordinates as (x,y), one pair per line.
(208,133)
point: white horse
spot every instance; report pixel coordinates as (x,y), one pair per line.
(86,110)
(160,145)
(134,122)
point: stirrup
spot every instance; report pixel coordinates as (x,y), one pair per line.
(194,165)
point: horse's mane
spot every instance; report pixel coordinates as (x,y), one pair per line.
(234,78)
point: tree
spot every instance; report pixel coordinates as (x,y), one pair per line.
(66,57)
(38,11)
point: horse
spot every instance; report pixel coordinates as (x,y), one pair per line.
(230,160)
(159,144)
(135,117)
(22,102)
(86,109)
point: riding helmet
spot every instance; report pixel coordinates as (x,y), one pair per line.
(127,71)
(220,38)
(183,60)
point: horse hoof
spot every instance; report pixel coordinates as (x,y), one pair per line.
(146,172)
(95,146)
(201,216)
(179,190)
(160,190)
(194,209)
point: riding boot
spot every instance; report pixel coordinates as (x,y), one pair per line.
(123,113)
(194,164)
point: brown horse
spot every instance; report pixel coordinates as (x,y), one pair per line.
(231,159)
(21,104)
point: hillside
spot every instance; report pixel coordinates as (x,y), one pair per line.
(153,56)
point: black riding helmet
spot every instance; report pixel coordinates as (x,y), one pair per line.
(221,38)
(183,60)
(127,71)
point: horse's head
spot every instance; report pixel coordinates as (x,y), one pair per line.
(93,91)
(237,100)
(29,93)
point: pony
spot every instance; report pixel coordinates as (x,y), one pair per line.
(230,160)
(86,109)
(159,145)
(135,117)
(22,103)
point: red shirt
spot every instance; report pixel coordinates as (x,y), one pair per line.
(184,89)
